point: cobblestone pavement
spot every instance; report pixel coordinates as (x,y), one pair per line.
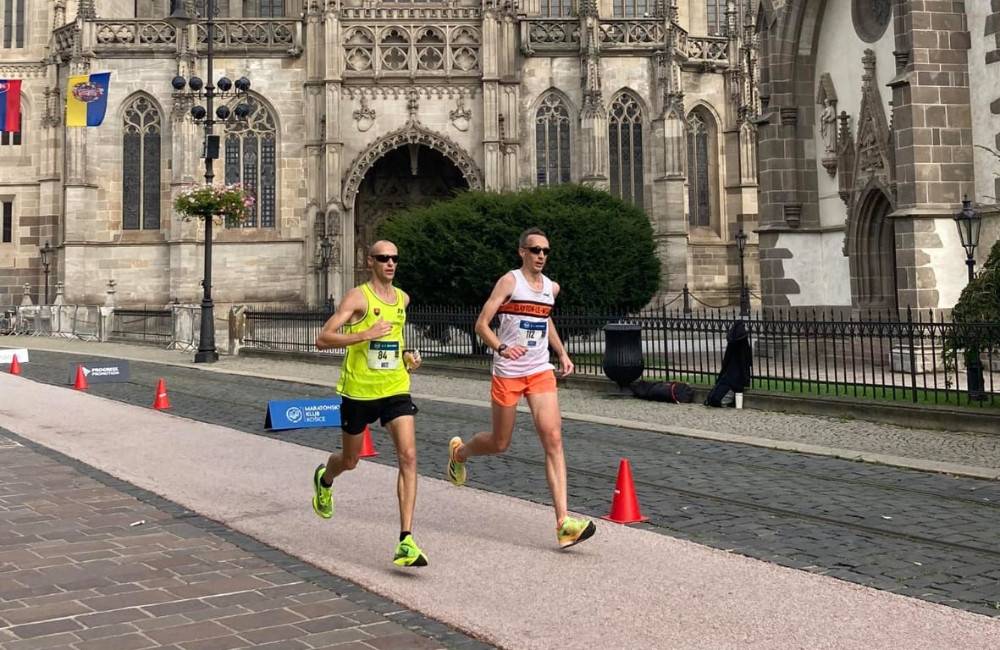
(91,563)
(975,449)
(925,535)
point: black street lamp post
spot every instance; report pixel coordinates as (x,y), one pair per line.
(741,245)
(180,18)
(969,224)
(45,251)
(325,259)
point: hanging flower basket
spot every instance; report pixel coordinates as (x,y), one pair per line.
(230,204)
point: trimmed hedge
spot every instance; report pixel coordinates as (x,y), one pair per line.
(603,255)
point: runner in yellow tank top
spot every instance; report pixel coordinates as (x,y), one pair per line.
(374,385)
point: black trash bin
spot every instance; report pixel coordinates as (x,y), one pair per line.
(622,353)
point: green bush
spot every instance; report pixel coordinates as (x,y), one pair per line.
(977,312)
(603,255)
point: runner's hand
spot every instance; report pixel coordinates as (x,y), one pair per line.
(514,352)
(378,330)
(566,366)
(411,358)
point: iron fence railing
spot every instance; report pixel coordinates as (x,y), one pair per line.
(142,325)
(284,328)
(913,357)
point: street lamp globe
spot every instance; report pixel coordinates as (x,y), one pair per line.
(179,18)
(969,225)
(741,240)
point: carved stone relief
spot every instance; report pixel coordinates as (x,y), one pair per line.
(461,116)
(871,18)
(826,96)
(364,117)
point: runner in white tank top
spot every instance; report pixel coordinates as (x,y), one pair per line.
(524,320)
(523,299)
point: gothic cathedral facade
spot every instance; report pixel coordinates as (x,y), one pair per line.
(359,108)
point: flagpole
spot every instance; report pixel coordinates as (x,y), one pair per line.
(206,345)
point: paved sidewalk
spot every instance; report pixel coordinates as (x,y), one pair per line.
(626,588)
(90,562)
(971,454)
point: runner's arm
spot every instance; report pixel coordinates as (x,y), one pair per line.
(501,293)
(555,342)
(354,305)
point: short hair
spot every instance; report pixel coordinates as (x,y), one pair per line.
(522,241)
(371,249)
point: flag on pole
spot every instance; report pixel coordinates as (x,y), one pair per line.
(10,105)
(87,99)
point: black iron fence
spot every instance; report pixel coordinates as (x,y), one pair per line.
(142,326)
(276,327)
(913,357)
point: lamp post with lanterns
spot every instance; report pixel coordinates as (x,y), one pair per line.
(180,19)
(45,251)
(741,245)
(969,224)
(325,259)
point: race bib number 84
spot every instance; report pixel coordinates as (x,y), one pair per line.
(530,334)
(383,355)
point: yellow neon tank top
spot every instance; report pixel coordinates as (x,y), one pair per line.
(375,369)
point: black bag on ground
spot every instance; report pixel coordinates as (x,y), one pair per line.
(663,391)
(734,376)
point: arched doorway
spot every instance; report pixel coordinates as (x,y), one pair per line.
(407,176)
(873,254)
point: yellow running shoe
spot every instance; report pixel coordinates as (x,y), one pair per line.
(456,470)
(322,496)
(409,554)
(573,531)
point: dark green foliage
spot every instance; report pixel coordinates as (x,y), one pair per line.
(454,251)
(978,310)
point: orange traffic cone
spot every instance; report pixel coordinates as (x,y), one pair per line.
(161,401)
(625,504)
(15,366)
(367,448)
(81,379)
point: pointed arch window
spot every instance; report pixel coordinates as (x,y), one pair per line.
(715,13)
(14,138)
(556,8)
(699,172)
(251,151)
(552,141)
(12,20)
(142,126)
(625,144)
(633,8)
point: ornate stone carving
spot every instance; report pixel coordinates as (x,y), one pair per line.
(364,117)
(826,96)
(874,158)
(593,106)
(461,116)
(412,133)
(871,18)
(845,159)
(395,91)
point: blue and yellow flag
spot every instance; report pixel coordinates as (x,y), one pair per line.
(87,99)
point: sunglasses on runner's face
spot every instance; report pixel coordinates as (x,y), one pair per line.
(538,250)
(384,259)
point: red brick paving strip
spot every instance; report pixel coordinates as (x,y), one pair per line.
(75,573)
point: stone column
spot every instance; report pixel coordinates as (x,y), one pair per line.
(934,154)
(339,217)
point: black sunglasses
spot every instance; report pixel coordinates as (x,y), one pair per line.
(538,250)
(385,258)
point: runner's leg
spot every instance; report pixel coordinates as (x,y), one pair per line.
(347,458)
(403,432)
(548,423)
(496,441)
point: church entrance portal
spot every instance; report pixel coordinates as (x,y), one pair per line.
(409,176)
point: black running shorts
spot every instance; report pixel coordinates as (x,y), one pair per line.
(355,414)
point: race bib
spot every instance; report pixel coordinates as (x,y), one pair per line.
(383,355)
(531,334)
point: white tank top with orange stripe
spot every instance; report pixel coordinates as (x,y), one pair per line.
(524,321)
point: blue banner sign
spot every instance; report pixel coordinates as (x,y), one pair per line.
(303,413)
(101,372)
